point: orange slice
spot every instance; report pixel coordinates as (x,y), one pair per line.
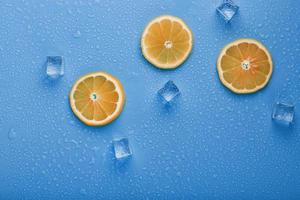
(166,42)
(97,98)
(245,66)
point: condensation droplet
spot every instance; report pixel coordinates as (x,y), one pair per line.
(77,34)
(12,134)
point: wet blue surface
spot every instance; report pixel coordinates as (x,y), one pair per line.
(212,144)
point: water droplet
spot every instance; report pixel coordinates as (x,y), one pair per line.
(92,161)
(83,191)
(77,34)
(12,134)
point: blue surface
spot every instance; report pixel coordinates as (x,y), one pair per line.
(212,144)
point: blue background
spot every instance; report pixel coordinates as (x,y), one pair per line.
(212,144)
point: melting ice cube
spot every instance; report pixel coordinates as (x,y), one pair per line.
(283,113)
(55,66)
(168,92)
(122,149)
(227,10)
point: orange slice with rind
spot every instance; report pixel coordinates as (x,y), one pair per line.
(245,66)
(166,42)
(97,98)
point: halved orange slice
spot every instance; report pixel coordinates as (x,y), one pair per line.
(245,66)
(166,42)
(97,98)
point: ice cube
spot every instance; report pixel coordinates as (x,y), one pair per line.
(283,113)
(55,66)
(227,10)
(122,149)
(168,92)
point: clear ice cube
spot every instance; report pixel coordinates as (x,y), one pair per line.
(122,149)
(55,66)
(283,113)
(227,10)
(168,92)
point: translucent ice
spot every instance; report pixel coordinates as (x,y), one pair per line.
(168,92)
(55,66)
(122,149)
(227,10)
(283,113)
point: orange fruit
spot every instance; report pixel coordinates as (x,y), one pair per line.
(166,42)
(97,98)
(245,66)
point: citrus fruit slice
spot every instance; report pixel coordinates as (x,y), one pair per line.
(166,42)
(245,66)
(97,98)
